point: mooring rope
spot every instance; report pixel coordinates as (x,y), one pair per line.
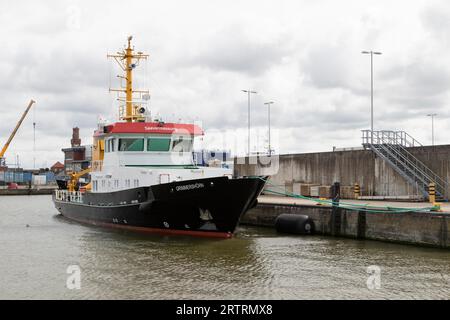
(347,205)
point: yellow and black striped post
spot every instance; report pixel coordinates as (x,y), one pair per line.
(432,192)
(357,190)
(432,197)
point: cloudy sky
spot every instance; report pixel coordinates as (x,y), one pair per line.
(303,55)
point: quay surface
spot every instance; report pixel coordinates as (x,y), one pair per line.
(415,228)
(268,199)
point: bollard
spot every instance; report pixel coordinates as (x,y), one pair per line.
(432,197)
(432,192)
(357,190)
(336,193)
(336,211)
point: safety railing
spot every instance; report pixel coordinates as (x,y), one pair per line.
(388,136)
(416,167)
(69,196)
(391,146)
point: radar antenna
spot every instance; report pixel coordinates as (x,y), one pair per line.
(131,110)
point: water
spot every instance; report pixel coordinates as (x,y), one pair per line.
(256,264)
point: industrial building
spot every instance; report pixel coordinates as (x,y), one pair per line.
(77,157)
(27,177)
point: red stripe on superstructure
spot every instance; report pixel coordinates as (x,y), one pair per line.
(155,127)
(205,234)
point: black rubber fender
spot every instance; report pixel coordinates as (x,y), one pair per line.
(294,223)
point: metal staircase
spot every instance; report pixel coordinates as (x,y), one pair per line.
(392,146)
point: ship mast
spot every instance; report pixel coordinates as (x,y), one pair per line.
(131,110)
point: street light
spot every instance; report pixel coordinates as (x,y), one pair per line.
(371,87)
(249,92)
(432,115)
(268,108)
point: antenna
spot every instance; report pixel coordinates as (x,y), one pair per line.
(128,61)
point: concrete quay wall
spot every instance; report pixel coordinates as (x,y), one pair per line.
(415,228)
(373,174)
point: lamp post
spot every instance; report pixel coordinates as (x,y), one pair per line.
(268,108)
(371,87)
(249,92)
(432,115)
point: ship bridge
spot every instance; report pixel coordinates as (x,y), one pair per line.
(144,144)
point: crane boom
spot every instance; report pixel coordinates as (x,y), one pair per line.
(5,147)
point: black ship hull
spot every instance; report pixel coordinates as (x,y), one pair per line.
(205,207)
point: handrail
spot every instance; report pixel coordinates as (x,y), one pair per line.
(430,174)
(414,161)
(394,143)
(395,154)
(422,168)
(408,168)
(69,196)
(395,137)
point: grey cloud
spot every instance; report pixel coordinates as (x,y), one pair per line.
(57,70)
(309,116)
(326,67)
(435,20)
(232,50)
(420,85)
(422,77)
(329,120)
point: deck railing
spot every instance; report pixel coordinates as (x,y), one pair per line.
(69,196)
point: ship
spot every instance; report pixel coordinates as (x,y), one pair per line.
(143,177)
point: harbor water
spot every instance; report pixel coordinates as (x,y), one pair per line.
(39,249)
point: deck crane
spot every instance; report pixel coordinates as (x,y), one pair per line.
(72,184)
(5,147)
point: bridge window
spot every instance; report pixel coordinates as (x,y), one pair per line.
(107,146)
(182,144)
(158,144)
(110,145)
(131,144)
